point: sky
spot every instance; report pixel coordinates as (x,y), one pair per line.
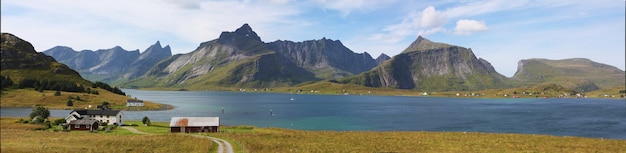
(500,31)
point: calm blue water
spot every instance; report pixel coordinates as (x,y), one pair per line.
(572,117)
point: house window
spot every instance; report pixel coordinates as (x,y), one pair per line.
(100,116)
(88,126)
(76,126)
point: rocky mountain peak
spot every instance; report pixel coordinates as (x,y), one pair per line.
(382,58)
(422,44)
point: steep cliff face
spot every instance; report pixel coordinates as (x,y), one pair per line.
(426,65)
(328,59)
(577,74)
(147,60)
(19,60)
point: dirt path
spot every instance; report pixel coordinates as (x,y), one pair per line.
(223,146)
(133,130)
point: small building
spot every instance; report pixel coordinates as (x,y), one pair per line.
(86,124)
(194,124)
(111,117)
(134,103)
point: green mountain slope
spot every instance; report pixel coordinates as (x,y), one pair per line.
(578,74)
(427,65)
(20,61)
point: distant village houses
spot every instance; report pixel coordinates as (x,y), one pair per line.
(194,124)
(134,103)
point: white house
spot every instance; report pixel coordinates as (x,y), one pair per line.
(134,102)
(111,117)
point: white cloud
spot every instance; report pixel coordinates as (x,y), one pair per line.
(432,18)
(466,27)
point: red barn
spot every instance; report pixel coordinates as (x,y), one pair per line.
(194,124)
(87,125)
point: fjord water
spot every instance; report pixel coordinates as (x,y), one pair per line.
(604,118)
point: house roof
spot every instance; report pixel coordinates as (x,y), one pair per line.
(194,121)
(83,122)
(134,101)
(97,112)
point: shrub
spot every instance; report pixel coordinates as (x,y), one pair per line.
(69,102)
(59,121)
(146,121)
(40,111)
(57,93)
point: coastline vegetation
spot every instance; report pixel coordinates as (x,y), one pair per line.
(59,99)
(17,137)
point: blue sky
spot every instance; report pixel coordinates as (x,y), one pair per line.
(500,31)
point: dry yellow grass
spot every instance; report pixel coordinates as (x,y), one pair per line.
(17,137)
(30,98)
(283,140)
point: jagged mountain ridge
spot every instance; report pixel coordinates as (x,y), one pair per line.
(110,65)
(328,59)
(382,58)
(579,74)
(426,65)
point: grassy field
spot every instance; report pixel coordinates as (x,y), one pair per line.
(17,137)
(30,98)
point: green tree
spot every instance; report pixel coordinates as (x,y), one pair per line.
(57,93)
(40,111)
(146,121)
(69,102)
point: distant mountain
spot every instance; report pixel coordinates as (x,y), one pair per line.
(235,59)
(578,74)
(19,60)
(327,59)
(110,65)
(427,65)
(382,58)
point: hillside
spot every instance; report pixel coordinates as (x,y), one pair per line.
(577,74)
(38,79)
(427,65)
(20,61)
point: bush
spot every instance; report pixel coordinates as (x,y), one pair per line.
(146,121)
(59,121)
(57,93)
(69,102)
(40,111)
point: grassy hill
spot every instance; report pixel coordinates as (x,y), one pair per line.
(30,98)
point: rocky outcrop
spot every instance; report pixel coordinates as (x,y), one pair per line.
(426,65)
(19,54)
(578,74)
(328,59)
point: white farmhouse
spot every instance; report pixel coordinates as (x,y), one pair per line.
(111,117)
(134,102)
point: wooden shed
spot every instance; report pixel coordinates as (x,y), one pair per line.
(194,124)
(86,125)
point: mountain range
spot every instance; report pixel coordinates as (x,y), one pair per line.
(110,65)
(241,59)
